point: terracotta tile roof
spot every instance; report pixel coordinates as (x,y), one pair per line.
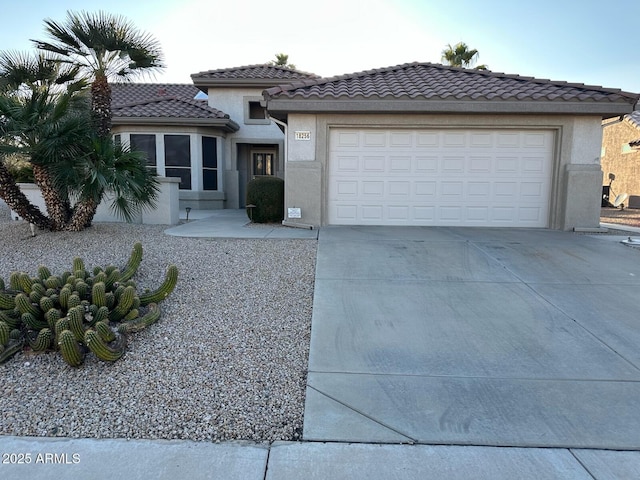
(164,103)
(167,107)
(122,93)
(254,72)
(633,118)
(427,81)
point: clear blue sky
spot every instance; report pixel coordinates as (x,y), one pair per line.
(585,41)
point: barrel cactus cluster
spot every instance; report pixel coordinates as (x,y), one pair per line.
(79,311)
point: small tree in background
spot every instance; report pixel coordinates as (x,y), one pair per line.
(282,60)
(461,56)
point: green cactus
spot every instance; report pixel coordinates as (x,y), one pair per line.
(52,316)
(134,262)
(170,281)
(24,305)
(134,326)
(14,281)
(111,300)
(53,282)
(25,282)
(37,292)
(61,325)
(78,264)
(125,302)
(5,330)
(11,318)
(98,294)
(82,288)
(100,277)
(7,302)
(33,322)
(74,300)
(43,272)
(102,314)
(46,304)
(104,330)
(10,350)
(42,341)
(100,349)
(112,279)
(65,293)
(73,311)
(132,315)
(76,317)
(15,335)
(70,349)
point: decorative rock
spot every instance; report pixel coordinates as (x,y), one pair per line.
(244,379)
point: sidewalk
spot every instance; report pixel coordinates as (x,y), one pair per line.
(73,459)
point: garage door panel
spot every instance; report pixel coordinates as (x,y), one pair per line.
(426,164)
(401,165)
(346,164)
(373,188)
(373,164)
(453,164)
(429,177)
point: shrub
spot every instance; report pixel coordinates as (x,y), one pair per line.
(78,311)
(267,194)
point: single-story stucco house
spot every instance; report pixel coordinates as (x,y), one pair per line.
(413,144)
(621,156)
(214,135)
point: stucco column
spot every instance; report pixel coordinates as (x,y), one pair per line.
(583,190)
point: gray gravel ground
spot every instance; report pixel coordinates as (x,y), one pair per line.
(227,360)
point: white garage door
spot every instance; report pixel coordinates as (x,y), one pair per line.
(439,177)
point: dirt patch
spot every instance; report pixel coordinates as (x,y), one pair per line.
(629,216)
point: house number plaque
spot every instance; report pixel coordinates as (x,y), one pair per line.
(302,135)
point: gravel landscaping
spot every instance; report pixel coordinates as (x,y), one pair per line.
(226,361)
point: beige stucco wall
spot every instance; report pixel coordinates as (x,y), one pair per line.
(166,212)
(577,143)
(625,166)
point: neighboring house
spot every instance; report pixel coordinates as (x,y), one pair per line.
(426,144)
(213,135)
(621,153)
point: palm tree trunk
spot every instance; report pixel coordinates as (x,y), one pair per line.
(57,207)
(83,213)
(101,105)
(19,203)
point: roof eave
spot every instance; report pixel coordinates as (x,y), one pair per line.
(264,83)
(281,106)
(225,124)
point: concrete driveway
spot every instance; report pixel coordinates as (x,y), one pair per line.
(492,337)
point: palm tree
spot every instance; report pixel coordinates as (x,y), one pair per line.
(18,202)
(282,60)
(103,47)
(460,56)
(38,123)
(53,130)
(107,165)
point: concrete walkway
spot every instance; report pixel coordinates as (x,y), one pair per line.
(232,224)
(435,353)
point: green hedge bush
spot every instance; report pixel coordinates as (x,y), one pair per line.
(267,194)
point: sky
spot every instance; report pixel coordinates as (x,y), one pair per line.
(583,41)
